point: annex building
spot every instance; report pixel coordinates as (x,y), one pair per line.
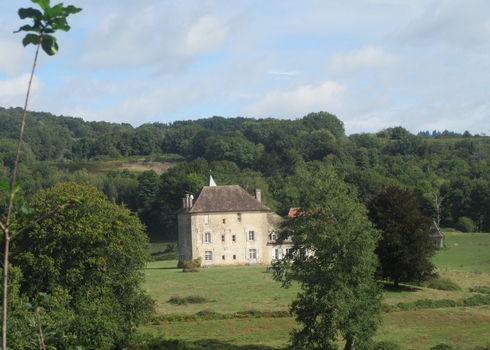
(225,225)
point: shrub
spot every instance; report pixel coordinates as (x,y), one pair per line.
(442,284)
(465,224)
(386,345)
(442,347)
(192,265)
(191,299)
(480,289)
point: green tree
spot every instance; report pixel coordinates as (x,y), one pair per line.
(333,260)
(405,248)
(95,252)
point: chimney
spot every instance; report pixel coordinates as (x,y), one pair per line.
(183,203)
(258,195)
(186,201)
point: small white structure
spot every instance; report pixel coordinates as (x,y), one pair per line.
(225,226)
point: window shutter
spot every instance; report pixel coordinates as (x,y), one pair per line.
(258,253)
(247,255)
(211,238)
(246,235)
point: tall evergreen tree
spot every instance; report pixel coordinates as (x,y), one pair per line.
(405,248)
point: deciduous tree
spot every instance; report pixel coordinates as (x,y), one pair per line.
(333,260)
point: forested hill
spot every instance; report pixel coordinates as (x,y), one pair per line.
(448,171)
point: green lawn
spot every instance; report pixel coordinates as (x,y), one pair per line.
(227,289)
(466,261)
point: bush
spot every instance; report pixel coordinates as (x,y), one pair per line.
(191,299)
(465,224)
(192,265)
(442,347)
(480,289)
(386,345)
(442,284)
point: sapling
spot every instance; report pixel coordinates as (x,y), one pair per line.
(44,23)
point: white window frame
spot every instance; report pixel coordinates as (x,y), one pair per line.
(208,237)
(206,219)
(251,236)
(239,218)
(208,255)
(252,254)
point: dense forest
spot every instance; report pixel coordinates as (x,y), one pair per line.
(448,171)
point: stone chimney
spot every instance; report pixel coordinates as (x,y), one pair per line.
(186,201)
(258,195)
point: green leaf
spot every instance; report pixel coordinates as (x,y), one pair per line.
(60,23)
(49,45)
(27,211)
(28,28)
(30,13)
(4,186)
(71,10)
(44,4)
(42,297)
(16,198)
(54,11)
(17,186)
(31,39)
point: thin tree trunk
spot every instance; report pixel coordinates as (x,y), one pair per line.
(6,227)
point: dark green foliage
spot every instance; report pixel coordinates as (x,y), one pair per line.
(405,248)
(442,347)
(333,260)
(442,284)
(192,265)
(190,299)
(386,345)
(93,251)
(212,315)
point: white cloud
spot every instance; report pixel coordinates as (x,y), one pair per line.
(207,35)
(366,58)
(328,96)
(13,91)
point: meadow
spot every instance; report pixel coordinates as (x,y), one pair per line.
(250,289)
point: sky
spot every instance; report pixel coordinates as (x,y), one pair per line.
(375,64)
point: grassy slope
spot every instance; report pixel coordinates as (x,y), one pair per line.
(466,262)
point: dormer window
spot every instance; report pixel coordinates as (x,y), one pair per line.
(239,217)
(273,236)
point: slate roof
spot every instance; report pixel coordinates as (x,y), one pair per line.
(224,199)
(436,233)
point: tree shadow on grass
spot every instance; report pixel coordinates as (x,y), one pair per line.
(216,344)
(164,268)
(389,287)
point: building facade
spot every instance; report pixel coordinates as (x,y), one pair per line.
(225,226)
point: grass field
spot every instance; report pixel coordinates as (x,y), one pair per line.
(466,261)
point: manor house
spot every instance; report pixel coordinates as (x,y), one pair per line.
(225,225)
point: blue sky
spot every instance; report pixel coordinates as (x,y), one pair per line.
(420,64)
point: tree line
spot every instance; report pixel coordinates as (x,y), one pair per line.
(449,175)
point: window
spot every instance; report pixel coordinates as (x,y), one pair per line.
(251,235)
(223,257)
(239,217)
(287,251)
(208,255)
(206,219)
(234,257)
(224,221)
(207,237)
(233,238)
(222,238)
(273,236)
(252,254)
(276,253)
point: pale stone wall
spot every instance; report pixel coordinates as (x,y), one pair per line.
(228,241)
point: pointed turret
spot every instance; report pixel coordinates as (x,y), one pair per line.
(211,181)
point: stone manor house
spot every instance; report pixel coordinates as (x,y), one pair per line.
(225,225)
